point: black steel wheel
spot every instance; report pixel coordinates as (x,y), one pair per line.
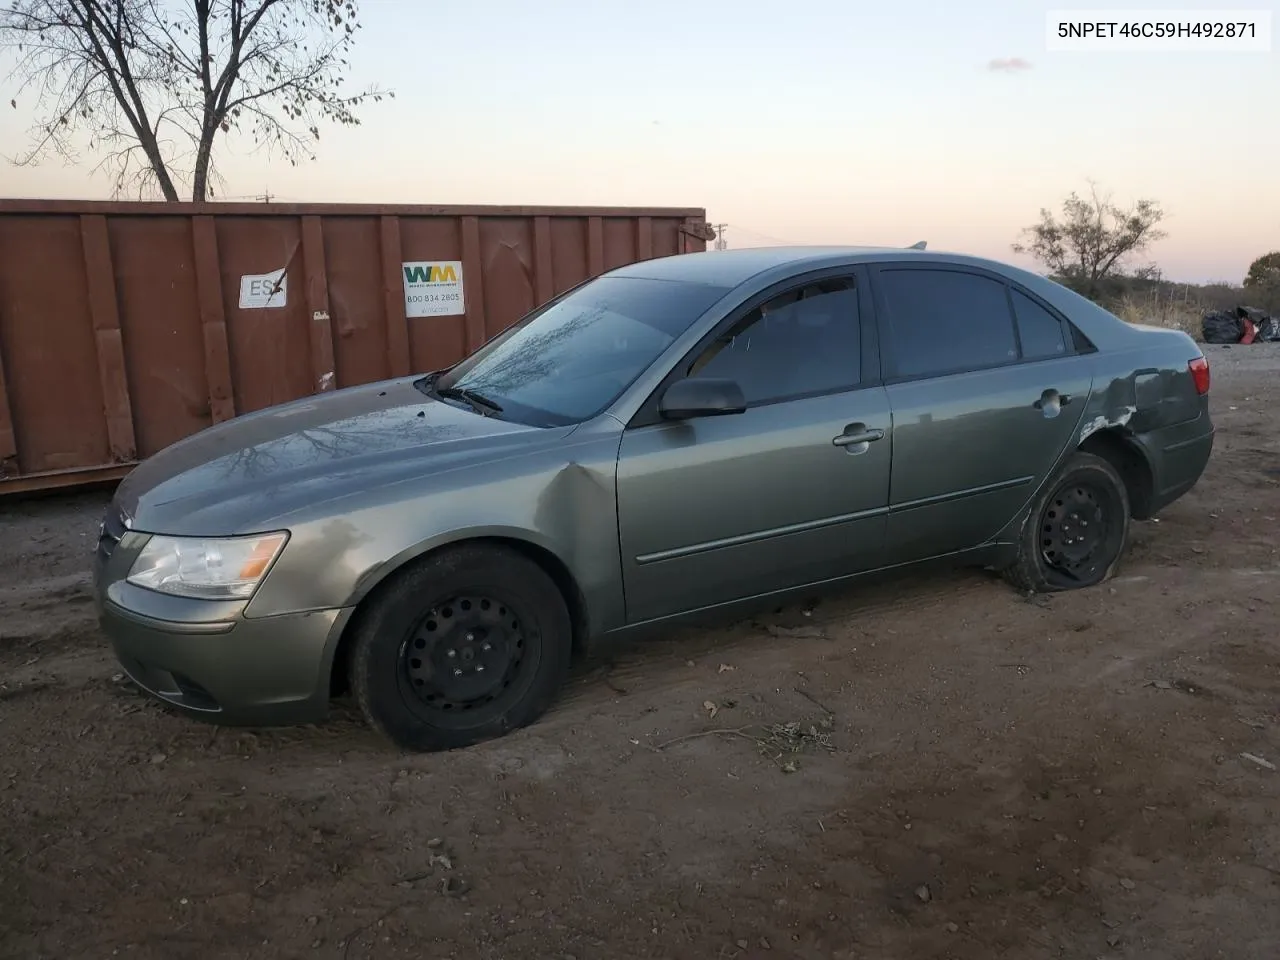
(1078,528)
(1076,531)
(464,654)
(464,646)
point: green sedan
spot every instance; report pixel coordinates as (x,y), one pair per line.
(693,435)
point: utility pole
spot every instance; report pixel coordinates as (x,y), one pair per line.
(264,197)
(720,241)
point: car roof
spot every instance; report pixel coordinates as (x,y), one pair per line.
(729,268)
(760,266)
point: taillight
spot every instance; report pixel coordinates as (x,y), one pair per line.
(1199,368)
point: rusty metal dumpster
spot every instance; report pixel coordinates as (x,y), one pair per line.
(125,327)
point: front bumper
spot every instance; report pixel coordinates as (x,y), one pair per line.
(206,657)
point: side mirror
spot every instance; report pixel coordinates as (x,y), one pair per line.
(698,397)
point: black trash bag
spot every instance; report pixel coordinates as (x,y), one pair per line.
(1220,327)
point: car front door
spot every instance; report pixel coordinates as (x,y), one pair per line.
(986,389)
(792,491)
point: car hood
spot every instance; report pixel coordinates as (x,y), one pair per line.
(241,475)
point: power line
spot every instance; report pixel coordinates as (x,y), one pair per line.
(720,241)
(764,236)
(266,196)
(270,196)
(778,241)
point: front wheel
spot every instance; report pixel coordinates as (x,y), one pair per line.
(465,646)
(1076,531)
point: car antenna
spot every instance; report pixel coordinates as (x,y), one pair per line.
(919,245)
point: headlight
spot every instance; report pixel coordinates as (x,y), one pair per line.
(221,568)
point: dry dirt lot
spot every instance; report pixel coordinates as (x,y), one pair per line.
(972,775)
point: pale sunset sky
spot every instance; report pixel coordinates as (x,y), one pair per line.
(807,121)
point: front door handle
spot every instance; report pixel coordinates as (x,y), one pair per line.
(857,433)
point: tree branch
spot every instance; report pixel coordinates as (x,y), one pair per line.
(173,78)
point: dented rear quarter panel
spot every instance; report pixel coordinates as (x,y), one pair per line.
(1144,394)
(1144,384)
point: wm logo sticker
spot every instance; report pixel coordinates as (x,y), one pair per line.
(433,288)
(436,273)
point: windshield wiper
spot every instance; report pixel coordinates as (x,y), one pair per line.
(479,402)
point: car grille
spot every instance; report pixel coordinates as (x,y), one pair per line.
(110,531)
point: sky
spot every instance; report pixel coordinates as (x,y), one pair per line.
(810,121)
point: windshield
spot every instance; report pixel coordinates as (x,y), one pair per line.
(570,361)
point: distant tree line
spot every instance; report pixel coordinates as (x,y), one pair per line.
(1094,246)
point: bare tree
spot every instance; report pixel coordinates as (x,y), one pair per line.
(1093,239)
(154,83)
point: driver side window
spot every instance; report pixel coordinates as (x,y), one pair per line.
(804,342)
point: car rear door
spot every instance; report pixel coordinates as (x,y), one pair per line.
(987,390)
(792,491)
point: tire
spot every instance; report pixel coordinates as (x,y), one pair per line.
(462,647)
(1057,552)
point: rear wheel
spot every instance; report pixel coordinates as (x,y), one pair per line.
(1077,530)
(466,646)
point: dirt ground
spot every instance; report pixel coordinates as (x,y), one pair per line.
(969,774)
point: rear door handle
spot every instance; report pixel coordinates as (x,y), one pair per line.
(1051,401)
(856,434)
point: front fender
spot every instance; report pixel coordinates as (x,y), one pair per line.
(561,501)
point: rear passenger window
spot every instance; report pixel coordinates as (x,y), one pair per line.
(1081,343)
(1038,329)
(944,321)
